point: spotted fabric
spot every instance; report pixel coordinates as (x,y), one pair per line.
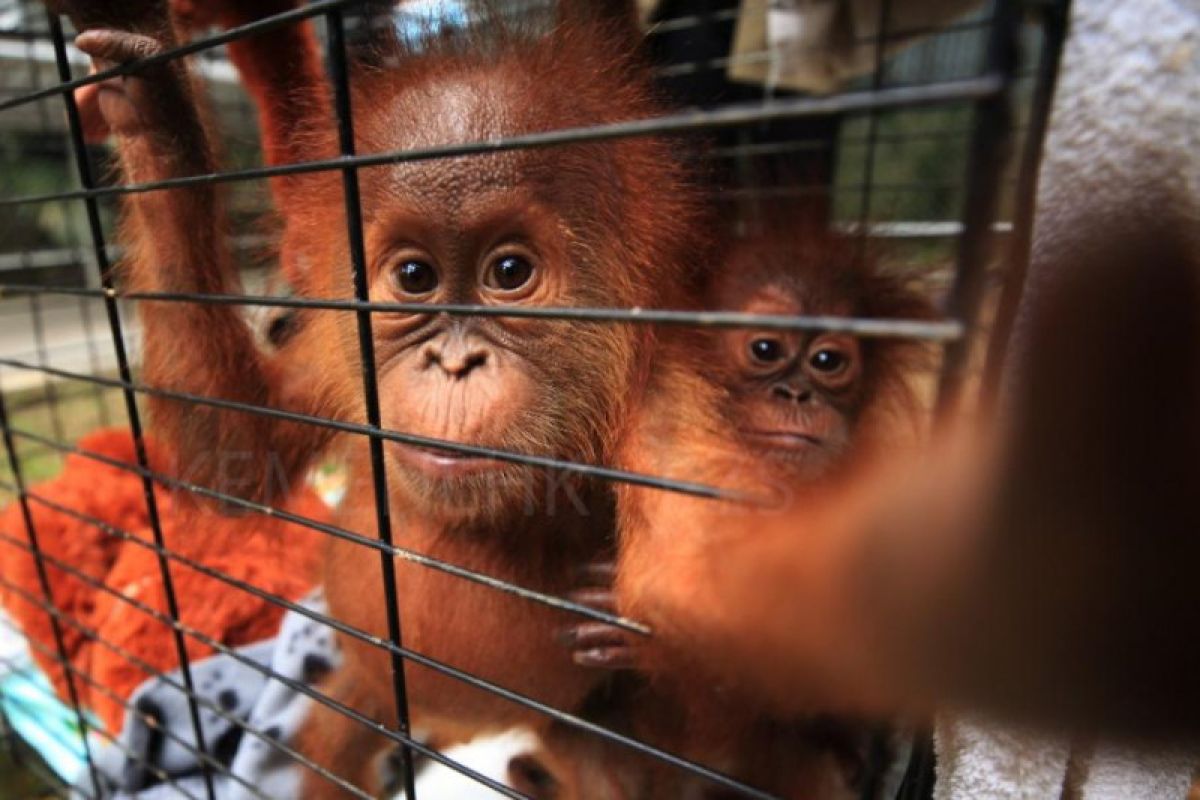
(155,757)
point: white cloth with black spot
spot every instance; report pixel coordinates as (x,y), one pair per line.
(250,709)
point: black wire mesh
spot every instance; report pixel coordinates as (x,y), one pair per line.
(964,95)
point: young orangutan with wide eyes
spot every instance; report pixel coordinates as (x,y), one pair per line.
(607,223)
(792,397)
(761,413)
(766,415)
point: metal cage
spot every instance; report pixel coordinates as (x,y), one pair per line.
(932,152)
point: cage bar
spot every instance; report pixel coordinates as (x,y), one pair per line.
(44,582)
(988,93)
(366,353)
(131,410)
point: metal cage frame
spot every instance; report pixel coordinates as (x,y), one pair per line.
(990,95)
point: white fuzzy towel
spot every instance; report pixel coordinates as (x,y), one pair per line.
(980,761)
(987,761)
(1113,773)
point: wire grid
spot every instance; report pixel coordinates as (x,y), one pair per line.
(991,93)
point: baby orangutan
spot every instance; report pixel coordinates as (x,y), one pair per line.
(1035,561)
(759,413)
(766,415)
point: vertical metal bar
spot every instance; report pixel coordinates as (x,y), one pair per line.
(985,163)
(14,464)
(1055,23)
(39,346)
(85,314)
(35,82)
(10,735)
(864,210)
(85,311)
(366,343)
(877,755)
(921,775)
(878,760)
(131,409)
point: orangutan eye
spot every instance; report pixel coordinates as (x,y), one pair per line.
(416,277)
(766,350)
(828,361)
(509,273)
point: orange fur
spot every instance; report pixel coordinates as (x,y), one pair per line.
(610,223)
(1029,563)
(801,759)
(120,503)
(688,428)
(273,555)
(284,75)
(691,428)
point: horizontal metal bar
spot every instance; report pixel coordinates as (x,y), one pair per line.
(232,34)
(765,56)
(48,258)
(308,613)
(797,191)
(295,15)
(345,534)
(126,536)
(920,230)
(55,785)
(138,758)
(688,21)
(758,149)
(204,702)
(24,35)
(507,694)
(682,122)
(604,473)
(938,331)
(62,396)
(125,704)
(37,765)
(229,580)
(251,663)
(217,575)
(673,25)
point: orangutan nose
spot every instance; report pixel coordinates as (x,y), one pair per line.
(792,392)
(457,356)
